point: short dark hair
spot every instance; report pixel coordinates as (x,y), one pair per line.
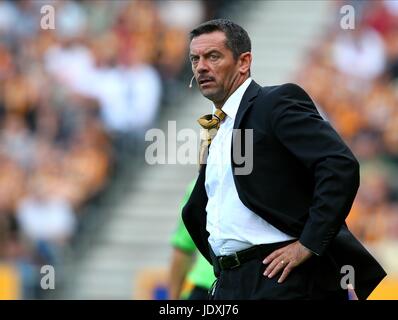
(238,40)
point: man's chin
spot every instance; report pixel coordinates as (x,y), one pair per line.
(210,94)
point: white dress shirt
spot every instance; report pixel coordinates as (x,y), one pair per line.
(232,226)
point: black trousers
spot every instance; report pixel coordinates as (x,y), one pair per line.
(247,282)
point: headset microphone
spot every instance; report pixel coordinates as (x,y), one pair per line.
(190,84)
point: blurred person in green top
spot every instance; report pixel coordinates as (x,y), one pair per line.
(190,275)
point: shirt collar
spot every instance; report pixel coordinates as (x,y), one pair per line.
(231,106)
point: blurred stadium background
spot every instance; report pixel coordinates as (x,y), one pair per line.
(75,103)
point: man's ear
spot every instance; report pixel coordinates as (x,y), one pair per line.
(245,61)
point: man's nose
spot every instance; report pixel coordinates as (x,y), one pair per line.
(202,66)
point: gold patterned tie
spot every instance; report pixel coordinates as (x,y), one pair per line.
(211,123)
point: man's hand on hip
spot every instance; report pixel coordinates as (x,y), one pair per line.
(286,259)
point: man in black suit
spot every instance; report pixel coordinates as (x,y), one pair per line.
(278,230)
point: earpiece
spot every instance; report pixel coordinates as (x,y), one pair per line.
(190,84)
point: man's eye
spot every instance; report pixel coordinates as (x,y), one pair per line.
(213,57)
(194,59)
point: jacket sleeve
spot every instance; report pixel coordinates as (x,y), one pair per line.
(297,124)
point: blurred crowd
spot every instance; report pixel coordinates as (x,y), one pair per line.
(353,76)
(73,100)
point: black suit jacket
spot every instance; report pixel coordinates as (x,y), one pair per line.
(303,181)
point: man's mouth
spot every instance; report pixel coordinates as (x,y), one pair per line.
(205,80)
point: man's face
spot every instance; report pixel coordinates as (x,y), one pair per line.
(215,69)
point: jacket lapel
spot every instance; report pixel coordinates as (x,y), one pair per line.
(247,101)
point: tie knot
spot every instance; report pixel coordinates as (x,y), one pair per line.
(212,121)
